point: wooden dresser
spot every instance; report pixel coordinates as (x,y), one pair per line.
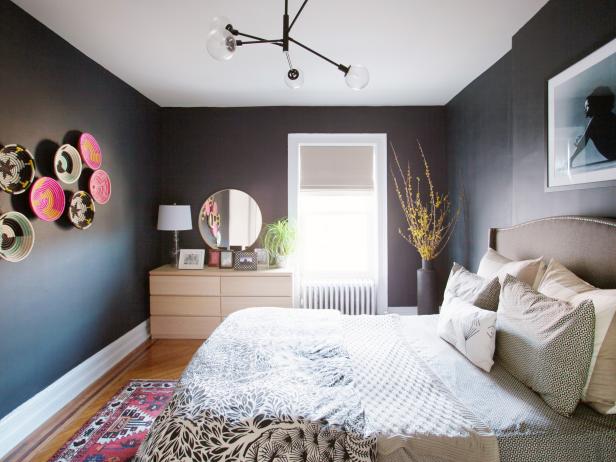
(192,303)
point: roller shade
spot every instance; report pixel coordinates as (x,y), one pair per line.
(336,168)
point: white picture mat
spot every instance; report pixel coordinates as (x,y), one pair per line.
(198,257)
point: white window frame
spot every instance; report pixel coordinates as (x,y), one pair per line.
(379,143)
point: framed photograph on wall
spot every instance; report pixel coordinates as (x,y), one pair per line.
(191,259)
(582,123)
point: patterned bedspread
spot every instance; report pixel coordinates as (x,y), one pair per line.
(312,386)
(268,385)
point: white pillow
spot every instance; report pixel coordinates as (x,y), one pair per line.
(600,389)
(470,329)
(482,293)
(494,264)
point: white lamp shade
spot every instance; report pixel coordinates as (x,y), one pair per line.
(174,218)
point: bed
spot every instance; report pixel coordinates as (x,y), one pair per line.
(302,385)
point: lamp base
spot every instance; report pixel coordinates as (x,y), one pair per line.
(175,249)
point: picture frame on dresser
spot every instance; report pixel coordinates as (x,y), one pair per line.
(213,260)
(191,259)
(245,260)
(226,259)
(263,259)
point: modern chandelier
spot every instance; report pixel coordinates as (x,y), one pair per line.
(222,44)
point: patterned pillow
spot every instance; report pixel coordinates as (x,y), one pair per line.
(545,343)
(472,288)
(470,329)
(600,389)
(494,264)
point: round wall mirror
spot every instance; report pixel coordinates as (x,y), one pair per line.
(230,218)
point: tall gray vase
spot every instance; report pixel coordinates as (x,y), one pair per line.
(426,289)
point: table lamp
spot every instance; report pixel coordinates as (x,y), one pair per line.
(174,218)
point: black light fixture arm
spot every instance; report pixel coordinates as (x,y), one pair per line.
(255,40)
(285,32)
(340,67)
(286,38)
(240,43)
(301,8)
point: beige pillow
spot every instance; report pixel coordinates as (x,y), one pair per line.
(600,389)
(494,264)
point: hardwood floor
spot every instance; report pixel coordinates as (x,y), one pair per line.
(159,359)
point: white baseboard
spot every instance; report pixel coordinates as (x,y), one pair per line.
(25,419)
(403,310)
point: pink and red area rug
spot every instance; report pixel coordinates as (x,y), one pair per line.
(116,431)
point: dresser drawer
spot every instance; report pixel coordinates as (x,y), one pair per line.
(185,285)
(256,286)
(173,305)
(232,304)
(183,326)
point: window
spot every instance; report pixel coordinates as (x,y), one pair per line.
(337,234)
(337,197)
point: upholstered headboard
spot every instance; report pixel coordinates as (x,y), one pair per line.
(585,245)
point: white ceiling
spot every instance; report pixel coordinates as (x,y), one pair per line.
(419,52)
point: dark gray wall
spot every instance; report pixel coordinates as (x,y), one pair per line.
(562,33)
(79,290)
(205,150)
(497,126)
(480,159)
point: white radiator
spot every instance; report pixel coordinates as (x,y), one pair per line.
(357,296)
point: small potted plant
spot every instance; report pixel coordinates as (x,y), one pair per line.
(279,241)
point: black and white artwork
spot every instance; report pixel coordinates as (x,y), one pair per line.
(191,258)
(582,122)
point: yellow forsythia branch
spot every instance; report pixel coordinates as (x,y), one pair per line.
(429,220)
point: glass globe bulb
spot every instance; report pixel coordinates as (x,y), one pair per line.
(221,44)
(219,23)
(358,77)
(294,79)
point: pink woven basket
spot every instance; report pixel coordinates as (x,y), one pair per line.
(100,186)
(90,151)
(47,199)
